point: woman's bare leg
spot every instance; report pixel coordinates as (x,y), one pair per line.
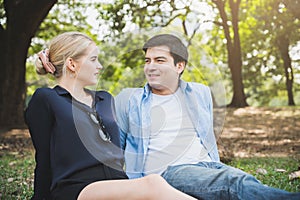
(149,187)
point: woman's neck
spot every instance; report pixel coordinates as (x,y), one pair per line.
(77,91)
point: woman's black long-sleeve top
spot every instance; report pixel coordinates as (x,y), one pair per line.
(67,140)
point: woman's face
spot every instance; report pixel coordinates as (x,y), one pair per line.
(89,66)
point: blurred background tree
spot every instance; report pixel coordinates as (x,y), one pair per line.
(19,22)
(250,42)
(246,51)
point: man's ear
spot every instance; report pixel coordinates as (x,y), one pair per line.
(70,64)
(180,66)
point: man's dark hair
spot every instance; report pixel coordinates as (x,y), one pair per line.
(177,49)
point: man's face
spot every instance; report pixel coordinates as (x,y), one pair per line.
(160,71)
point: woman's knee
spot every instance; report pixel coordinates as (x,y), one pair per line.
(156,181)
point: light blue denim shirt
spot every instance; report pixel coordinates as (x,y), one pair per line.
(134,119)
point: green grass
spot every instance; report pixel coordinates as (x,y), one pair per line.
(16,173)
(16,176)
(272,177)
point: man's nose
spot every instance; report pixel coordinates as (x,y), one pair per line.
(151,65)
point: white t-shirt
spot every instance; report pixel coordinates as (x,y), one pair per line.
(173,139)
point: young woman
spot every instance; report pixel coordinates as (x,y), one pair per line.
(75,134)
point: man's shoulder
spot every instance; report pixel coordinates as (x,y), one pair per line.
(127,97)
(199,90)
(197,86)
(127,93)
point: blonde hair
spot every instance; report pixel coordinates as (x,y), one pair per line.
(66,45)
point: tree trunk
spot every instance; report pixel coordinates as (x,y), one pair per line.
(23,20)
(12,81)
(293,7)
(234,51)
(283,46)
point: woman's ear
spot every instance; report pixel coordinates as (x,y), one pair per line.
(180,67)
(70,64)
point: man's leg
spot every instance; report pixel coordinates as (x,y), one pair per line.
(211,180)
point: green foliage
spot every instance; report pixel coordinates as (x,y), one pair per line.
(263,64)
(72,19)
(124,16)
(273,178)
(2,12)
(123,61)
(195,70)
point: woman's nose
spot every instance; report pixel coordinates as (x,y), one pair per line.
(99,66)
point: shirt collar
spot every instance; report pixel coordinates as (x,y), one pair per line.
(62,91)
(147,90)
(184,85)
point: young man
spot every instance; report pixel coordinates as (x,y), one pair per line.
(167,129)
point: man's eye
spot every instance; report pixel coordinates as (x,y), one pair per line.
(147,60)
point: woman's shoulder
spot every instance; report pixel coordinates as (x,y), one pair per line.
(40,98)
(43,92)
(46,95)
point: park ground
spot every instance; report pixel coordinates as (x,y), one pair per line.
(242,132)
(251,132)
(260,132)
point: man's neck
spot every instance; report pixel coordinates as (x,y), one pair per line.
(163,92)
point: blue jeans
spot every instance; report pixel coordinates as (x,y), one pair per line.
(213,180)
